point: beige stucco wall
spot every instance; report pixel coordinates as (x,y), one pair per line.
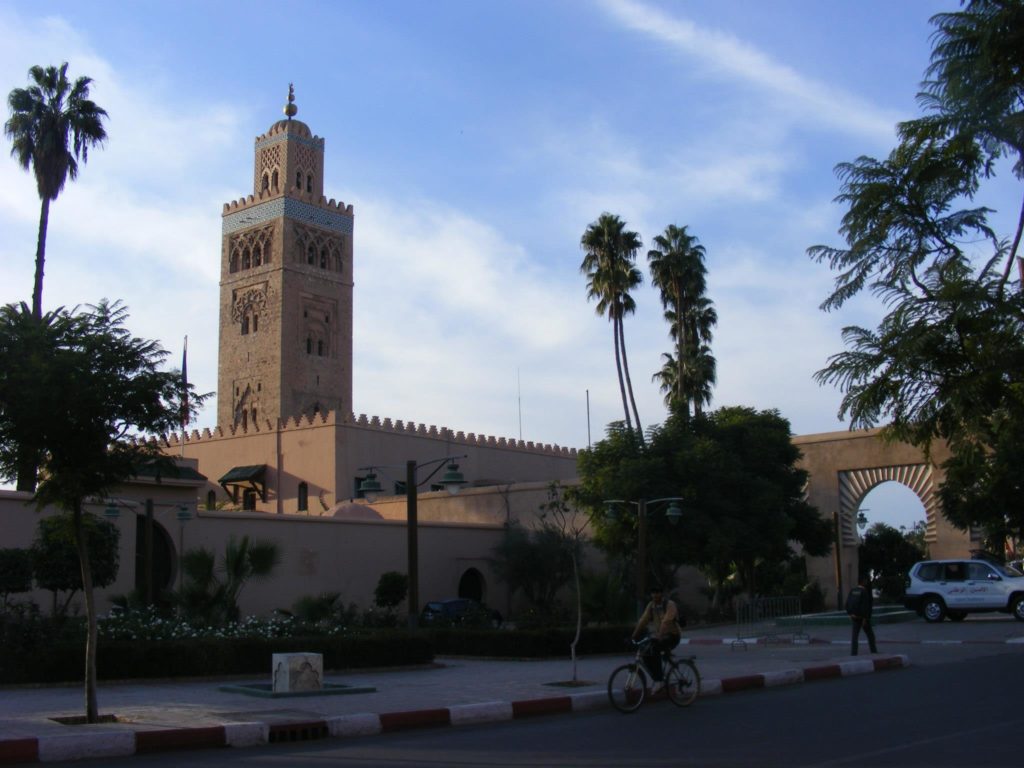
(319,554)
(329,453)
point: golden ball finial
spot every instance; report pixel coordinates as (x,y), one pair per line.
(290,109)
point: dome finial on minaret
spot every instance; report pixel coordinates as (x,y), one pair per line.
(290,109)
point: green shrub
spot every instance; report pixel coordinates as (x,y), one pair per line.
(15,573)
(60,661)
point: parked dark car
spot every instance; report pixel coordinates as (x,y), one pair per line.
(459,612)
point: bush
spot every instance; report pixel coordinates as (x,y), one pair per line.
(55,556)
(15,573)
(59,658)
(529,644)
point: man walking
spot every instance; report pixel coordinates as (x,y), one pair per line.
(859,604)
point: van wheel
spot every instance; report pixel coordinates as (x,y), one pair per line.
(957,615)
(935,610)
(1018,608)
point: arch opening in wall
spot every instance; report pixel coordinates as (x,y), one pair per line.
(163,560)
(854,486)
(472,585)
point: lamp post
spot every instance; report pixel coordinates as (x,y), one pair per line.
(673,513)
(452,480)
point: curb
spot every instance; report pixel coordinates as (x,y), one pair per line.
(109,743)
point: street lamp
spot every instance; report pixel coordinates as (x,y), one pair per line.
(673,513)
(452,480)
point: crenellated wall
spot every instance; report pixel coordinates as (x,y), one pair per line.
(331,454)
(375,423)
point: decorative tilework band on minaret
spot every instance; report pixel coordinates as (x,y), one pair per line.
(286,286)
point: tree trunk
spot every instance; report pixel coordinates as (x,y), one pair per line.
(27,471)
(681,401)
(629,384)
(618,370)
(579,615)
(37,287)
(92,632)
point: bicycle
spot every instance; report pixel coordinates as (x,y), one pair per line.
(627,685)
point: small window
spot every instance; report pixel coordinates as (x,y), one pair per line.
(309,183)
(311,255)
(266,182)
(255,323)
(273,179)
(320,348)
(245,419)
(309,345)
(303,497)
(211,500)
(955,572)
(246,259)
(257,255)
(245,325)
(978,572)
(233,267)
(298,179)
(929,571)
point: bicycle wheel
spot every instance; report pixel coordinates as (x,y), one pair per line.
(627,687)
(683,683)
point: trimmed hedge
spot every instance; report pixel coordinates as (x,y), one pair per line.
(121,659)
(528,643)
(62,659)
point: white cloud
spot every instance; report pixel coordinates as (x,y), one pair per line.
(727,56)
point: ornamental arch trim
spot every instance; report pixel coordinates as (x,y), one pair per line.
(855,484)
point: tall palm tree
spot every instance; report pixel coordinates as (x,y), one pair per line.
(52,125)
(608,262)
(677,270)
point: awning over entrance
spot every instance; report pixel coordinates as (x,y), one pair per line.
(252,477)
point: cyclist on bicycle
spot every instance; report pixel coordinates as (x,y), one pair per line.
(661,620)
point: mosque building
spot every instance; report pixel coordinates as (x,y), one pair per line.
(287,440)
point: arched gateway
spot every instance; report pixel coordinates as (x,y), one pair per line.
(844,467)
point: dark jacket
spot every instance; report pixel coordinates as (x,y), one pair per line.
(859,602)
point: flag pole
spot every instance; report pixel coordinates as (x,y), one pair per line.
(184,394)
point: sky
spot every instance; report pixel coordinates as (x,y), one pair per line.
(476,141)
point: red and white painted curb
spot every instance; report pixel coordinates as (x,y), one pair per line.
(83,744)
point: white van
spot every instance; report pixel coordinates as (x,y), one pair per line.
(954,588)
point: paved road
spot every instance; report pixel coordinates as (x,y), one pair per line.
(156,713)
(956,713)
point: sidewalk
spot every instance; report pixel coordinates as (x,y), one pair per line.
(454,691)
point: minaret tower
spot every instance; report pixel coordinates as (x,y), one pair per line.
(285,287)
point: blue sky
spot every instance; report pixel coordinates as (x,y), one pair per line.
(476,141)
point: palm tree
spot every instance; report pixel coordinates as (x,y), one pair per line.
(677,270)
(610,252)
(53,123)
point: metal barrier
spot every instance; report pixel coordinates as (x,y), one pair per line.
(767,619)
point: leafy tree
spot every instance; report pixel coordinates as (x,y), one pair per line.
(55,555)
(210,593)
(15,574)
(538,562)
(887,554)
(392,588)
(946,362)
(609,265)
(53,124)
(98,390)
(735,468)
(677,270)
